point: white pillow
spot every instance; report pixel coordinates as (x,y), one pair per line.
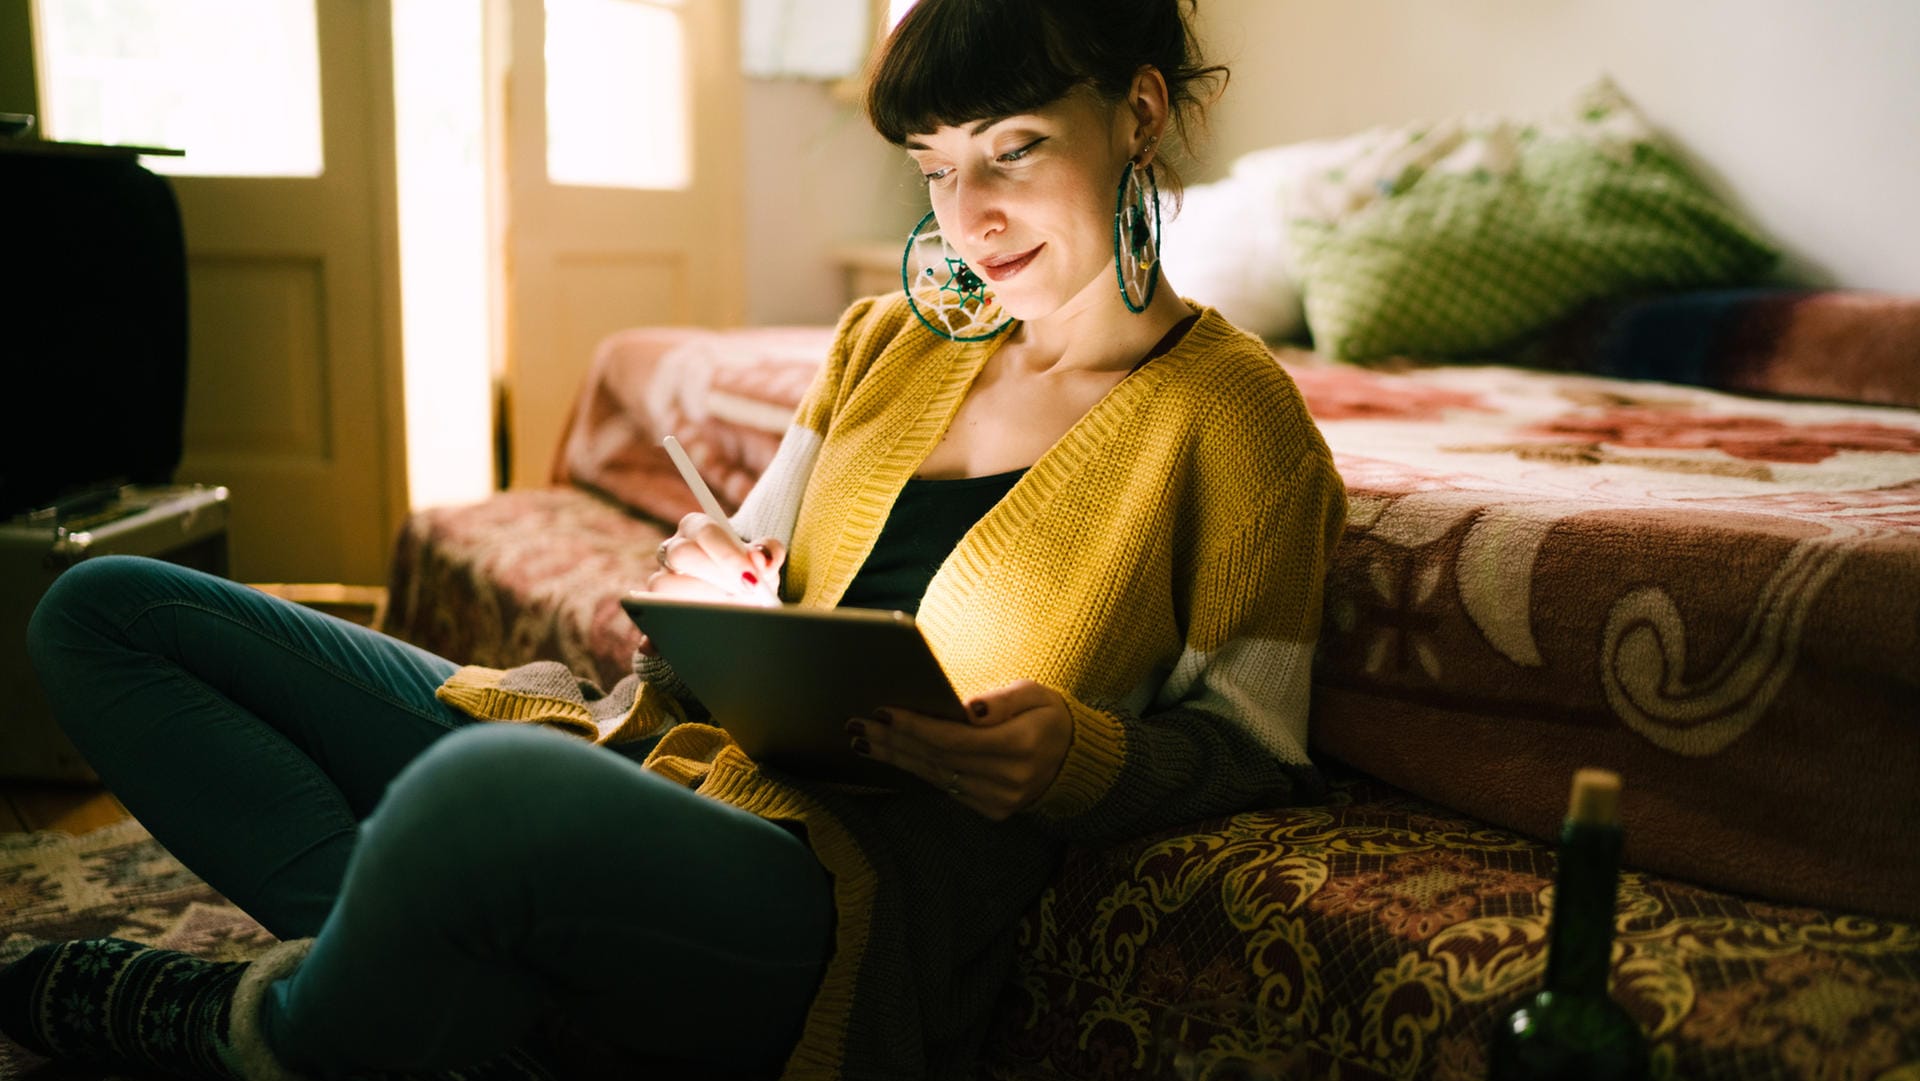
(1229,245)
(1221,251)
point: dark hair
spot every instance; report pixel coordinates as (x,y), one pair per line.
(949,62)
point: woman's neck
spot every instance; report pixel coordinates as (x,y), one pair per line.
(1095,331)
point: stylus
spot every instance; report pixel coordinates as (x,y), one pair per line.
(711,506)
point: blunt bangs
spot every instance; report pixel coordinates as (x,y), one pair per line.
(950,62)
(955,62)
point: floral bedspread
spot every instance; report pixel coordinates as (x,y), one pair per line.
(1715,595)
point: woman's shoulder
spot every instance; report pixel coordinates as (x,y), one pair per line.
(1235,421)
(870,324)
(878,343)
(1228,377)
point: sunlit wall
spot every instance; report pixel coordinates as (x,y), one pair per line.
(446,268)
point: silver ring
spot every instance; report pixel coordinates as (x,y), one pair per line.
(660,556)
(953,784)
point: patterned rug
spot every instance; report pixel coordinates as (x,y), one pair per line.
(114,881)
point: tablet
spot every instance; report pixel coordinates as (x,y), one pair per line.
(785,680)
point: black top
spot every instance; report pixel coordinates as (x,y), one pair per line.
(931,516)
(925,525)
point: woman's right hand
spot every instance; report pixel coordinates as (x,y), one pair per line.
(701,561)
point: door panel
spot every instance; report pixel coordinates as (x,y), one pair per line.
(244,308)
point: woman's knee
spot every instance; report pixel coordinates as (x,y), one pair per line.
(485,764)
(482,794)
(83,602)
(81,611)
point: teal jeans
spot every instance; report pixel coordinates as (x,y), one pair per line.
(463,882)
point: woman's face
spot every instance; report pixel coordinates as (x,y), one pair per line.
(1027,200)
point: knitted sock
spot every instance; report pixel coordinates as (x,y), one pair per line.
(117,1004)
(120,1005)
(113,1003)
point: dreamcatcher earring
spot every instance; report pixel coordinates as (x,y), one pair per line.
(1136,237)
(943,291)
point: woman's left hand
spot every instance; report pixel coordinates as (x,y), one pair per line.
(998,762)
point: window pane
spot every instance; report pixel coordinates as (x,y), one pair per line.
(617,94)
(804,39)
(234,83)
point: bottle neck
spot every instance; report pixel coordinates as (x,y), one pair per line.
(1580,942)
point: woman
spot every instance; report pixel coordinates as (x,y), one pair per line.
(1109,507)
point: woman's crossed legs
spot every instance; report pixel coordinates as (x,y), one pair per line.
(462,884)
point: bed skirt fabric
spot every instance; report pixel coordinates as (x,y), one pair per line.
(1388,936)
(524,575)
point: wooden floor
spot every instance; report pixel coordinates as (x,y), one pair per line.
(79,808)
(35,805)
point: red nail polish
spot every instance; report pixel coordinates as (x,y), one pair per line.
(855,728)
(979,708)
(750,578)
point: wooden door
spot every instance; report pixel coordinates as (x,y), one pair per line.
(585,259)
(293,397)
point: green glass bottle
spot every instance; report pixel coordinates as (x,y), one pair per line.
(1572,1030)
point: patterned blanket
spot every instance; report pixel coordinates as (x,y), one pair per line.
(1714,595)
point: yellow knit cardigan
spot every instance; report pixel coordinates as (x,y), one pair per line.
(1161,566)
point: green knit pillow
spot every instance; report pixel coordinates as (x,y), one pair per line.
(1459,238)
